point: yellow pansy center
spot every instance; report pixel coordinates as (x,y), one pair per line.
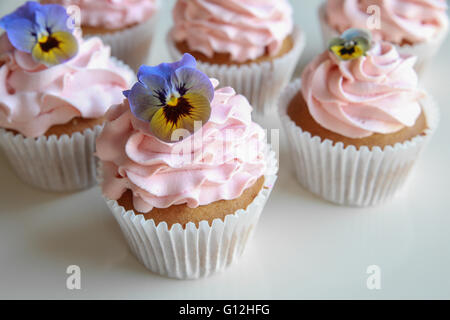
(55,48)
(349,50)
(173,101)
(47,43)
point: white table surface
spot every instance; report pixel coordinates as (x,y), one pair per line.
(303,247)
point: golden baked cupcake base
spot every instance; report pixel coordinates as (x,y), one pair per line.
(225,58)
(77,124)
(182,214)
(88,30)
(299,113)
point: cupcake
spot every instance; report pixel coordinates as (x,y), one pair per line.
(251,46)
(357,121)
(127,26)
(185,171)
(416,27)
(54,92)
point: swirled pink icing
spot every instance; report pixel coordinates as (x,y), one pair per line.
(218,162)
(376,93)
(246,29)
(34,97)
(111,14)
(413,21)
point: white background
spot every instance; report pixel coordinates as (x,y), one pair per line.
(303,247)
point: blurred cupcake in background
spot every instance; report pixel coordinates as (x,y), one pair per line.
(252,46)
(127,26)
(357,121)
(54,91)
(186,207)
(416,27)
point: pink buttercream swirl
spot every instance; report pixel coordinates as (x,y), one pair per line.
(246,29)
(218,162)
(34,97)
(412,21)
(111,14)
(376,93)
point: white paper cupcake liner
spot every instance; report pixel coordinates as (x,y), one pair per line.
(55,164)
(350,176)
(131,45)
(424,51)
(61,164)
(193,252)
(261,83)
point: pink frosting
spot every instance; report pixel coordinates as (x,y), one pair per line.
(111,14)
(414,21)
(219,162)
(33,97)
(376,93)
(246,29)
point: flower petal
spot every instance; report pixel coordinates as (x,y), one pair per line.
(153,82)
(201,110)
(161,128)
(21,34)
(142,103)
(53,17)
(186,61)
(192,80)
(57,48)
(165,70)
(352,34)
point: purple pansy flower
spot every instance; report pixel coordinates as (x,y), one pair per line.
(171,96)
(43,31)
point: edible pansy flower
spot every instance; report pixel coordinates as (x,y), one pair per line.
(352,44)
(42,30)
(171,96)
